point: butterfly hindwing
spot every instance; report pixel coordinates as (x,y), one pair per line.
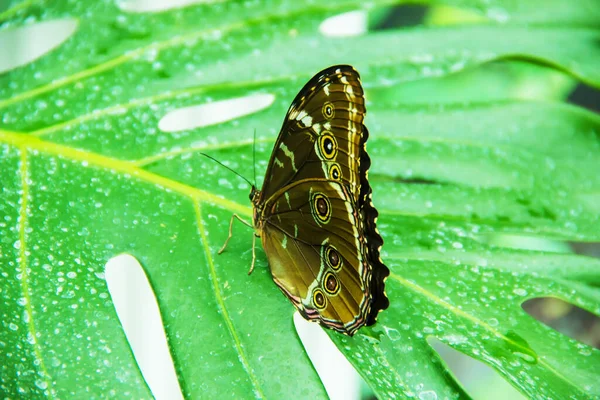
(316,253)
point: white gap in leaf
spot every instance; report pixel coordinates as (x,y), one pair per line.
(480,381)
(22,45)
(353,23)
(339,377)
(526,242)
(566,318)
(138,312)
(140,6)
(214,113)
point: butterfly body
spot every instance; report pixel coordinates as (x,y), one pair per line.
(314,213)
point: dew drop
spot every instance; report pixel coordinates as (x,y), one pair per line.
(168,208)
(41,384)
(392,333)
(428,395)
(525,357)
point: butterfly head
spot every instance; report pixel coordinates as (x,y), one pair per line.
(254,193)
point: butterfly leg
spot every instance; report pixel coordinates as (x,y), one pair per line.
(253,254)
(230,234)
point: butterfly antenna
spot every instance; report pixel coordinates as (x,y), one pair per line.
(254,155)
(225,166)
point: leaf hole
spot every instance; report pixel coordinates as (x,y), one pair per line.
(137,309)
(525,242)
(25,44)
(207,114)
(479,380)
(340,379)
(566,318)
(401,16)
(585,96)
(353,23)
(155,6)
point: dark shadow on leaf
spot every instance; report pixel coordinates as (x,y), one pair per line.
(566,318)
(402,16)
(585,96)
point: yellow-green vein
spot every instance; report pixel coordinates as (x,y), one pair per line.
(113,110)
(112,63)
(9,12)
(23,171)
(221,303)
(119,109)
(476,321)
(226,145)
(126,167)
(165,44)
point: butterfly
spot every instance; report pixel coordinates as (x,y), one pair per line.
(314,213)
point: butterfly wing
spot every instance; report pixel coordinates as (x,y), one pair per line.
(322,134)
(317,254)
(321,149)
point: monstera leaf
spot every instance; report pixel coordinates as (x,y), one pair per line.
(462,150)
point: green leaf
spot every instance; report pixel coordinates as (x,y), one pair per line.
(86,174)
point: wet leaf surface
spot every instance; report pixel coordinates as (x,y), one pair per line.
(87,174)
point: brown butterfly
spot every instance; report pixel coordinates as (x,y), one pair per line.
(314,213)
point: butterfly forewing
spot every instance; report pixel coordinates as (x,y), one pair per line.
(321,136)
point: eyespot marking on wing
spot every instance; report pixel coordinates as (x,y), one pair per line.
(335,172)
(331,284)
(318,299)
(328,110)
(328,145)
(321,208)
(333,258)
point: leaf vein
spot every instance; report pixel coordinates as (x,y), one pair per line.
(24,172)
(477,321)
(121,166)
(221,303)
